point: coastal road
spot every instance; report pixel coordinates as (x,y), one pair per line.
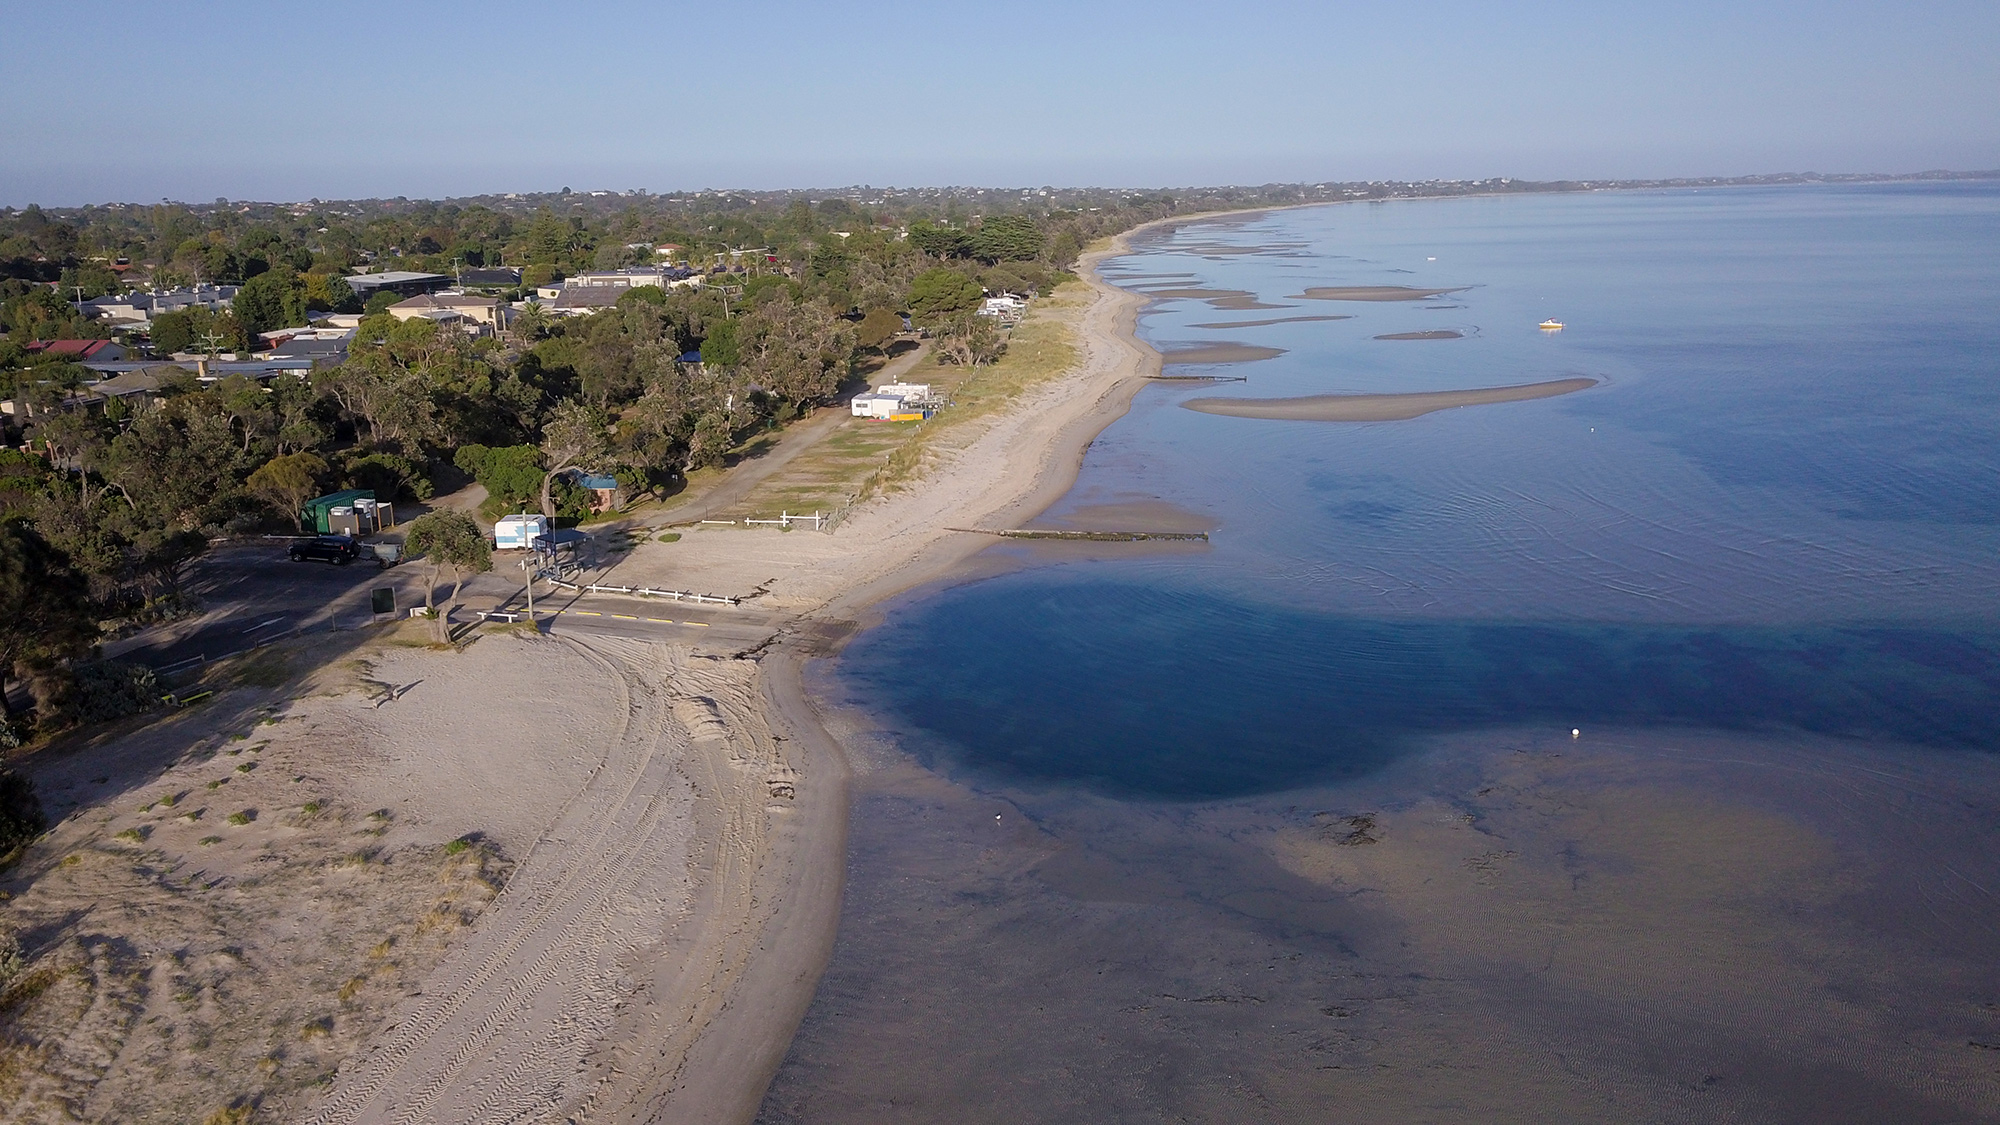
(709,629)
(253,594)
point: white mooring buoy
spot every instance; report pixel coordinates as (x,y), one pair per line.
(1575,733)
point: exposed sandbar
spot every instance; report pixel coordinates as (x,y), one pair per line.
(1371,293)
(1380,408)
(1222,351)
(1268,323)
(1231,300)
(1434,334)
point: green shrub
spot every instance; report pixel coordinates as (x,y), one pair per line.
(95,693)
(390,476)
(239,819)
(511,475)
(21,816)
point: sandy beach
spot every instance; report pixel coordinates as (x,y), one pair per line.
(998,474)
(459,904)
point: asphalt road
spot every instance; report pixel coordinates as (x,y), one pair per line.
(253,595)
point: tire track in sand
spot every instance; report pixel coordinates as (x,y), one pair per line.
(597,847)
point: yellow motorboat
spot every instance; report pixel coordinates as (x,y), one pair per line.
(1551,326)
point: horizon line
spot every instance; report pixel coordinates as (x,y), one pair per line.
(1750,179)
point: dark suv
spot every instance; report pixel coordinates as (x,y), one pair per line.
(340,549)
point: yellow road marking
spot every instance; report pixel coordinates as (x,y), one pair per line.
(696,624)
(625,617)
(659,621)
(586,613)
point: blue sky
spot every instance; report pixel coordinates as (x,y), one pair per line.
(274,100)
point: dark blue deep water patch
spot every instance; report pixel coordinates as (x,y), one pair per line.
(1141,690)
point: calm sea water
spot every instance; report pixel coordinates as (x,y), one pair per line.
(1293,828)
(1780,510)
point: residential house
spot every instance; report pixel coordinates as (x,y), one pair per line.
(582,300)
(492,277)
(665,277)
(77,351)
(319,344)
(404,282)
(135,310)
(480,315)
(605,495)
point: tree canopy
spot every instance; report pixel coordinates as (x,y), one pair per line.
(46,613)
(940,293)
(447,540)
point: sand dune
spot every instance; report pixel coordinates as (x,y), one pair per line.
(1380,408)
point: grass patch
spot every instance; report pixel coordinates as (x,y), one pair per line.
(26,986)
(239,819)
(271,669)
(670,537)
(317,1029)
(236,1113)
(218,783)
(863,458)
(136,835)
(310,807)
(353,986)
(207,840)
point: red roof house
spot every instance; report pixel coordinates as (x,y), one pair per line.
(78,350)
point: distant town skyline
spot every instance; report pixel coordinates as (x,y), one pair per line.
(284,102)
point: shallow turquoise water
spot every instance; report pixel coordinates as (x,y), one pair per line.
(1779,511)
